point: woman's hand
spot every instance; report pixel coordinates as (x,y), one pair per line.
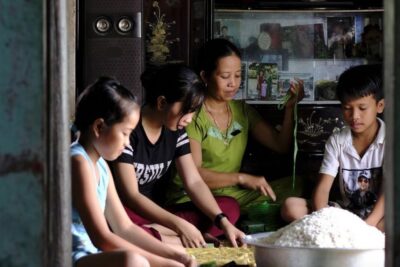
(296,92)
(190,236)
(258,183)
(234,235)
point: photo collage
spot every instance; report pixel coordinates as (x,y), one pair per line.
(314,50)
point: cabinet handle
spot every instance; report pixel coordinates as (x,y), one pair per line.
(138,22)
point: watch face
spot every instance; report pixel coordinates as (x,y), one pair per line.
(264,41)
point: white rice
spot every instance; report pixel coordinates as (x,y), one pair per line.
(328,228)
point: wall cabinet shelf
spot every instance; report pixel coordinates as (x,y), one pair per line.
(281,42)
(315,45)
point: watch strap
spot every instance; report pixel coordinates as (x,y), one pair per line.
(218,218)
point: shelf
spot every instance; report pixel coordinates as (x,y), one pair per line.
(316,46)
(311,10)
(275,102)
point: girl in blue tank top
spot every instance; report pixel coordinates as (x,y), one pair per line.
(102,233)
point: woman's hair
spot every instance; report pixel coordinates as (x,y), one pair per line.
(212,51)
(107,99)
(176,83)
(360,81)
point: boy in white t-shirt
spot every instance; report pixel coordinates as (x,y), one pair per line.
(354,154)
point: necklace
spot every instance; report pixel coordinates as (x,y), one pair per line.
(224,135)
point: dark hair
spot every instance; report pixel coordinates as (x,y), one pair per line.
(360,81)
(175,82)
(212,51)
(107,99)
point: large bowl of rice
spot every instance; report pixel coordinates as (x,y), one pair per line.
(330,237)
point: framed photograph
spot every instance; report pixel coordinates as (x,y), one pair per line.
(285,78)
(327,73)
(331,70)
(320,48)
(299,40)
(262,80)
(228,29)
(325,90)
(270,36)
(279,57)
(341,36)
(243,83)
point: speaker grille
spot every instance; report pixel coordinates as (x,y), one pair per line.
(111,54)
(113,6)
(117,58)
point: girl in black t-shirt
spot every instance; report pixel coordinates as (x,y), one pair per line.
(172,94)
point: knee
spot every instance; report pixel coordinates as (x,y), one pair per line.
(293,209)
(290,202)
(133,259)
(285,211)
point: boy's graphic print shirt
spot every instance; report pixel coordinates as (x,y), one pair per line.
(360,178)
(361,189)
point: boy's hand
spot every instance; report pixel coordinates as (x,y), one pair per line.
(321,193)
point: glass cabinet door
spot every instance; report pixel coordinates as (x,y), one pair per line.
(313,45)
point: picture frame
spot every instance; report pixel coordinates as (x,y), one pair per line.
(299,40)
(270,37)
(262,80)
(341,36)
(325,90)
(279,57)
(228,29)
(285,80)
(243,82)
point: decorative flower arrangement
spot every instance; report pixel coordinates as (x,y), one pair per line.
(157,42)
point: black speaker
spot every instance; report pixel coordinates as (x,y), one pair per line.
(109,42)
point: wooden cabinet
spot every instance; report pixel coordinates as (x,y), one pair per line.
(313,41)
(174,30)
(315,45)
(280,41)
(315,124)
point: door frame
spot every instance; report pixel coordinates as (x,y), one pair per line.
(58,178)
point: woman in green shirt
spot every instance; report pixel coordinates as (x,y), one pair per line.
(219,132)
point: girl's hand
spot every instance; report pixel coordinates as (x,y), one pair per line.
(186,259)
(164,262)
(296,92)
(160,261)
(258,183)
(234,235)
(190,236)
(190,261)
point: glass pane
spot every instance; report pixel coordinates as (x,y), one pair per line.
(316,46)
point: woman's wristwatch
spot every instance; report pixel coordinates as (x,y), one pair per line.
(218,218)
